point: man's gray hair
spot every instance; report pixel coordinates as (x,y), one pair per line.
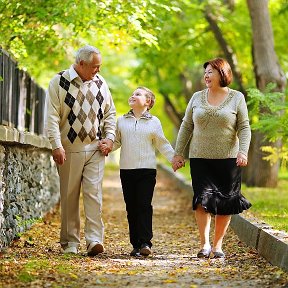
(85,53)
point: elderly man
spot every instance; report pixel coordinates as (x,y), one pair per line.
(80,113)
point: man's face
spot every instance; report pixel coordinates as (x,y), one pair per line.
(90,69)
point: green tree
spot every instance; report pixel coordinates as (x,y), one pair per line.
(46,32)
(271,121)
(160,44)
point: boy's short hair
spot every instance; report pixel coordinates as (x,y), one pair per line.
(149,94)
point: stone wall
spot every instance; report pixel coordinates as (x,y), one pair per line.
(29,185)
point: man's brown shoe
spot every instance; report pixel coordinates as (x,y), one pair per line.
(94,248)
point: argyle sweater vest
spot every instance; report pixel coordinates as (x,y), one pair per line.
(81,112)
(83,115)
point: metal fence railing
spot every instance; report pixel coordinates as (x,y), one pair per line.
(22,101)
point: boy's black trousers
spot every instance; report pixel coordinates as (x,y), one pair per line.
(138,188)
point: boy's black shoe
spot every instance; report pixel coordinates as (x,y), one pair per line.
(135,252)
(145,250)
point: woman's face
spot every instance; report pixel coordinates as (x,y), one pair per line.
(211,77)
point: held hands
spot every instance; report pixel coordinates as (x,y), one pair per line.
(59,155)
(177,162)
(241,160)
(105,146)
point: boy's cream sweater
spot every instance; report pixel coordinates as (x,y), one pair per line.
(216,132)
(139,140)
(79,114)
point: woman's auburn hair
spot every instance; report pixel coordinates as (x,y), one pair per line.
(224,69)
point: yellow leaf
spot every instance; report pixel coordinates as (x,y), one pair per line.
(170,281)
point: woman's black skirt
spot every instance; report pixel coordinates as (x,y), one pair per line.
(217,186)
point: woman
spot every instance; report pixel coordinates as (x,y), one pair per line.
(216,121)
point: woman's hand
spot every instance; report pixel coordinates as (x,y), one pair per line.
(177,162)
(241,160)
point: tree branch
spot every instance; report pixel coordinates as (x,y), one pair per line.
(228,52)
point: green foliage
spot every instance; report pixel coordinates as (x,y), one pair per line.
(279,13)
(24,224)
(46,32)
(167,40)
(269,115)
(185,42)
(269,100)
(274,154)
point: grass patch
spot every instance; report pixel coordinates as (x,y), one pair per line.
(270,204)
(56,269)
(31,269)
(62,268)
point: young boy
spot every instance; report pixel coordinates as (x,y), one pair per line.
(139,134)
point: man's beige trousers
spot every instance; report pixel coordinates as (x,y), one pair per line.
(81,170)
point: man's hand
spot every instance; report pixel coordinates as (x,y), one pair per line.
(106,146)
(178,162)
(59,155)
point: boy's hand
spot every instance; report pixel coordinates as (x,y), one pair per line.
(178,162)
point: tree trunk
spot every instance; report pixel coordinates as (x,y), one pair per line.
(170,109)
(259,172)
(267,69)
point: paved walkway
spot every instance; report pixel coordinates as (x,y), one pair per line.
(173,264)
(176,243)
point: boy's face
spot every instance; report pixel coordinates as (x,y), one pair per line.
(138,99)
